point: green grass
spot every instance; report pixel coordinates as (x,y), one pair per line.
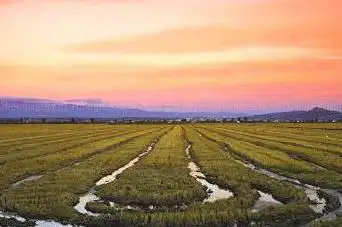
(72,158)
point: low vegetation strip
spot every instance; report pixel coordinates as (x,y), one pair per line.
(324,136)
(298,140)
(48,147)
(308,134)
(277,130)
(56,138)
(28,133)
(14,132)
(311,128)
(160,179)
(55,194)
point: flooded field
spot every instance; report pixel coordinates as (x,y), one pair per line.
(171,175)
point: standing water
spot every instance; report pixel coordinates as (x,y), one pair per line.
(265,200)
(38,223)
(213,190)
(311,192)
(8,215)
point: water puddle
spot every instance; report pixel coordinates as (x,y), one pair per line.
(265,200)
(312,194)
(268,173)
(38,223)
(84,200)
(91,197)
(214,191)
(310,191)
(110,178)
(50,224)
(331,215)
(31,178)
(8,215)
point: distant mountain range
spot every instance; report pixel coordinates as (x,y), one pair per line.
(316,113)
(11,107)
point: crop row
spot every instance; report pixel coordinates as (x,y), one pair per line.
(26,151)
(329,137)
(24,133)
(22,143)
(320,142)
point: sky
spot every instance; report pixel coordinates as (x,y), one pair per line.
(217,55)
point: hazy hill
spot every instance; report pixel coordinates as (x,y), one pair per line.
(313,114)
(39,108)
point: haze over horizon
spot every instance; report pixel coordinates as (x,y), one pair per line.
(226,55)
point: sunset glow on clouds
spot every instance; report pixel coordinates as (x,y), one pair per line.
(246,55)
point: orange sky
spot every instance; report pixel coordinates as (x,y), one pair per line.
(240,55)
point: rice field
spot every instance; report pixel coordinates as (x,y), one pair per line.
(251,174)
